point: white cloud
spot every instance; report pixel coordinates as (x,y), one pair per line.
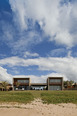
(29,54)
(4,76)
(66,66)
(56,20)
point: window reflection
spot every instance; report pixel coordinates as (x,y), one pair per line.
(55,80)
(23,81)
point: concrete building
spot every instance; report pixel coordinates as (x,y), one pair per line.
(55,83)
(21,83)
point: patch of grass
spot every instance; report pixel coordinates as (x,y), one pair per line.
(20,97)
(53,97)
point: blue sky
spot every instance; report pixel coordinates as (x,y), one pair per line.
(38,39)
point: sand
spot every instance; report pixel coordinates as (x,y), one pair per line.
(37,108)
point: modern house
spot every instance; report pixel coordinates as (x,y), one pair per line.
(21,83)
(55,83)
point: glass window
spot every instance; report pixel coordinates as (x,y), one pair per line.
(23,81)
(55,80)
(54,87)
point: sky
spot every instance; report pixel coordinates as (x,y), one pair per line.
(38,39)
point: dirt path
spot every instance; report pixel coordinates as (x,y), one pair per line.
(37,108)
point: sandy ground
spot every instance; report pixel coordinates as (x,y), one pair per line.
(37,108)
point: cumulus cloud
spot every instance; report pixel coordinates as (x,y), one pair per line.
(4,76)
(66,66)
(57,20)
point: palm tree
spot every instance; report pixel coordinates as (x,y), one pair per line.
(4,85)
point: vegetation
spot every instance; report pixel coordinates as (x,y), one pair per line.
(68,83)
(4,85)
(20,97)
(59,97)
(46,96)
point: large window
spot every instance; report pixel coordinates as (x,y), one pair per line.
(55,80)
(23,81)
(22,88)
(54,87)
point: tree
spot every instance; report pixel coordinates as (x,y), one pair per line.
(65,84)
(68,83)
(4,85)
(71,82)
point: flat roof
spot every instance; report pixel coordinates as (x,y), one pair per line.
(21,78)
(54,77)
